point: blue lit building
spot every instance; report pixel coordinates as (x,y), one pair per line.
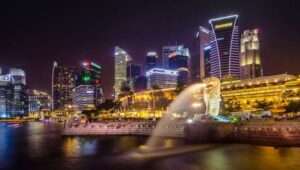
(151,60)
(133,72)
(179,60)
(225,47)
(13,96)
(84,97)
(161,78)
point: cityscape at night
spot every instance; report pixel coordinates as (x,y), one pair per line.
(160,85)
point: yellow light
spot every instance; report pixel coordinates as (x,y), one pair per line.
(225,25)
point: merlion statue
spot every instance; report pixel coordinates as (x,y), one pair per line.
(212,95)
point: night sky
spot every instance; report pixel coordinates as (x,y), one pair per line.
(35,33)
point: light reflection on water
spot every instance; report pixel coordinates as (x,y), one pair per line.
(40,146)
(75,147)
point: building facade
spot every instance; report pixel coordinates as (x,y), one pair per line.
(91,75)
(203,70)
(161,78)
(84,97)
(64,79)
(225,47)
(251,66)
(275,90)
(272,93)
(179,60)
(151,60)
(140,83)
(121,59)
(133,72)
(38,101)
(13,96)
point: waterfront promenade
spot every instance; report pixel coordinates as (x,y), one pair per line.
(144,128)
(286,133)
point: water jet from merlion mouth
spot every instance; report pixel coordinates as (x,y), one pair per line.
(196,101)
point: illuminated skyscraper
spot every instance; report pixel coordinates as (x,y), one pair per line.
(91,76)
(38,101)
(250,55)
(133,72)
(225,47)
(84,97)
(179,60)
(13,96)
(121,59)
(199,67)
(166,51)
(151,60)
(63,81)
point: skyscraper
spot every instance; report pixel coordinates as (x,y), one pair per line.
(166,51)
(121,59)
(151,60)
(63,81)
(84,97)
(250,55)
(133,72)
(13,96)
(38,101)
(200,70)
(225,47)
(91,76)
(179,60)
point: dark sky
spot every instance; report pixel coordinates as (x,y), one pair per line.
(35,33)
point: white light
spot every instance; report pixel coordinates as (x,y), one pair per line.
(151,53)
(196,105)
(205,30)
(207,48)
(222,18)
(161,71)
(189,121)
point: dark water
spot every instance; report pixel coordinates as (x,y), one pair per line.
(39,146)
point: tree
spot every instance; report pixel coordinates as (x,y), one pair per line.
(293,106)
(125,87)
(263,104)
(90,114)
(155,87)
(180,86)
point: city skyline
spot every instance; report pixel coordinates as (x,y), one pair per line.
(27,44)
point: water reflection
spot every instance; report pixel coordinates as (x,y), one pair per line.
(75,147)
(39,146)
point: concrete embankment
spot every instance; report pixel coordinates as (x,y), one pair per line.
(262,133)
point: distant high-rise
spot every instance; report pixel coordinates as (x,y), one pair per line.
(133,72)
(151,60)
(84,97)
(38,101)
(161,78)
(140,83)
(63,81)
(121,59)
(13,95)
(206,65)
(225,47)
(179,60)
(250,55)
(200,70)
(166,51)
(91,75)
